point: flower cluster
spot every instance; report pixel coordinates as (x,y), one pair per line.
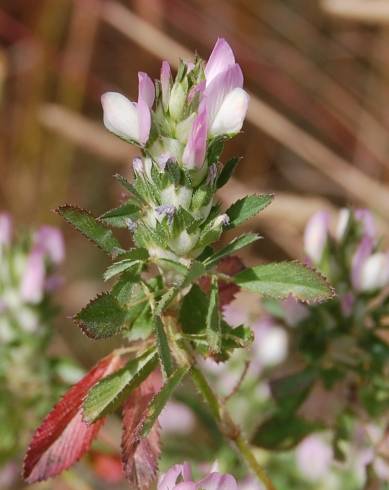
(29,380)
(336,371)
(169,289)
(174,215)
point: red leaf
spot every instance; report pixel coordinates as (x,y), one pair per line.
(230,265)
(64,437)
(108,467)
(140,456)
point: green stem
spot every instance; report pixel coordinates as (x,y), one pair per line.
(228,427)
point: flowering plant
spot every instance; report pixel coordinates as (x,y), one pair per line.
(334,379)
(171,285)
(30,381)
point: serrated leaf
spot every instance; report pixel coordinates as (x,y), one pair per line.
(158,403)
(212,324)
(119,216)
(64,437)
(226,173)
(85,223)
(281,279)
(247,207)
(163,348)
(282,433)
(101,318)
(122,266)
(140,456)
(107,395)
(235,245)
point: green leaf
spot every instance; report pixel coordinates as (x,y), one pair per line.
(158,403)
(290,391)
(119,216)
(247,207)
(164,353)
(226,173)
(213,327)
(236,244)
(84,222)
(107,395)
(103,317)
(282,433)
(193,312)
(279,280)
(131,260)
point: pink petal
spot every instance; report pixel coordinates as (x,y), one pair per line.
(220,87)
(33,281)
(165,82)
(5,228)
(216,481)
(195,149)
(367,221)
(364,250)
(51,241)
(221,58)
(146,89)
(315,235)
(196,89)
(144,121)
(169,479)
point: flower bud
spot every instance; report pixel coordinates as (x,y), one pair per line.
(177,99)
(195,149)
(375,272)
(343,221)
(51,241)
(120,116)
(315,236)
(360,256)
(165,84)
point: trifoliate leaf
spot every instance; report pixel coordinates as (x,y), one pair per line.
(247,207)
(85,223)
(279,280)
(107,395)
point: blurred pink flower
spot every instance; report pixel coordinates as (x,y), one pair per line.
(179,477)
(177,418)
(314,457)
(315,235)
(50,240)
(33,281)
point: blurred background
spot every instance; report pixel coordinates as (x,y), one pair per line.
(316,133)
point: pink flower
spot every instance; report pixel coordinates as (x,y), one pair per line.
(127,119)
(314,458)
(5,228)
(226,100)
(50,240)
(179,477)
(362,253)
(33,281)
(195,149)
(315,236)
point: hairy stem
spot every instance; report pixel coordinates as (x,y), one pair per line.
(229,428)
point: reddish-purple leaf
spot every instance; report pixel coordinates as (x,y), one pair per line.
(140,456)
(230,265)
(64,437)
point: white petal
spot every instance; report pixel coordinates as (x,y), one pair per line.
(120,115)
(230,117)
(375,272)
